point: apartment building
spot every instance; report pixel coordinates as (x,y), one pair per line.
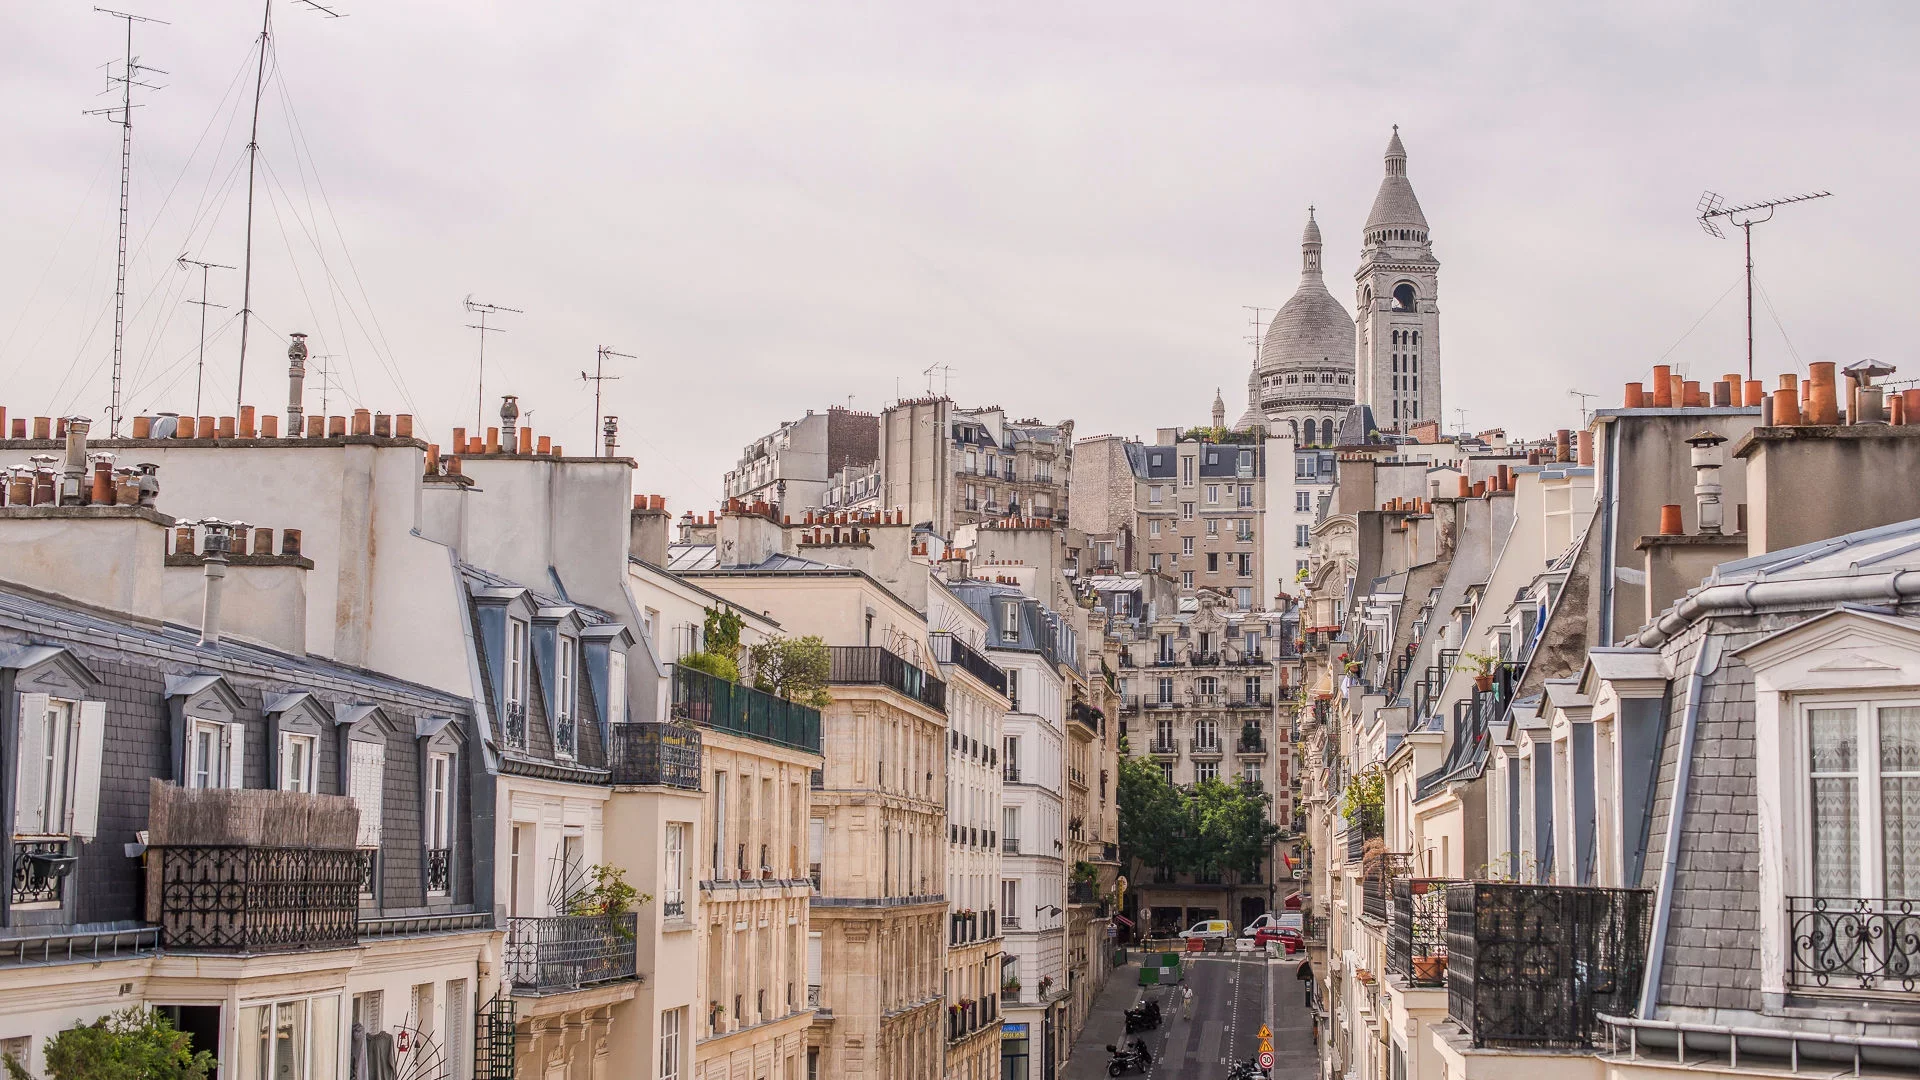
(878,922)
(976,706)
(948,466)
(1636,783)
(797,463)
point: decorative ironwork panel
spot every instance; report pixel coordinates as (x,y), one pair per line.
(1531,965)
(1417,935)
(1855,942)
(566,952)
(258,899)
(493,1042)
(439,870)
(655,753)
(742,710)
(369,859)
(565,738)
(40,869)
(513,725)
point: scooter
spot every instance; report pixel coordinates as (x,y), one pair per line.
(1246,1070)
(1143,1017)
(1133,1056)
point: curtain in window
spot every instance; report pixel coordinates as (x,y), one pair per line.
(1900,800)
(1834,738)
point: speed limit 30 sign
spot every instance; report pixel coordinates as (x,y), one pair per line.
(1266,1059)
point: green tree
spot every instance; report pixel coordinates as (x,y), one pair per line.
(794,668)
(1152,816)
(722,633)
(136,1044)
(1230,826)
(713,664)
(1364,803)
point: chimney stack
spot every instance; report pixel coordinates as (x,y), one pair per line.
(1706,485)
(509,417)
(610,433)
(73,471)
(296,380)
(219,533)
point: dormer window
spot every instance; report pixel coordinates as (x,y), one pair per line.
(296,762)
(564,722)
(516,662)
(215,753)
(1010,622)
(565,678)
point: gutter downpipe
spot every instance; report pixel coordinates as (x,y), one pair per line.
(1610,516)
(1895,586)
(1704,661)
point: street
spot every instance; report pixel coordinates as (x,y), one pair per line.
(1232,998)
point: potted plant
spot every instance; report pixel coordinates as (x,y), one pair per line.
(1046,983)
(1010,988)
(1480,665)
(1364,804)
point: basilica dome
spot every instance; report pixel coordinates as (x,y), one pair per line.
(1312,330)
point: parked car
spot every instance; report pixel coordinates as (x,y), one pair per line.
(1289,937)
(1210,930)
(1269,921)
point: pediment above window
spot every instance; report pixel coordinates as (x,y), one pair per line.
(207,696)
(50,669)
(1842,649)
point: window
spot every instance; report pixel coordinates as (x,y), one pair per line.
(1303,467)
(673,896)
(1153,529)
(289,1040)
(1303,500)
(1246,463)
(1013,688)
(1246,494)
(459,1039)
(1207,686)
(670,1025)
(1186,472)
(564,678)
(1213,562)
(1299,566)
(366,783)
(719,853)
(1153,495)
(1243,530)
(1246,564)
(45,771)
(1206,770)
(1153,562)
(1010,621)
(1186,545)
(1166,772)
(1186,511)
(1153,459)
(1861,844)
(1166,691)
(1252,687)
(296,762)
(1213,494)
(1186,579)
(516,662)
(439,823)
(1213,526)
(215,754)
(1244,597)
(1302,535)
(816,848)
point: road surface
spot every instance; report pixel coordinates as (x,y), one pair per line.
(1232,998)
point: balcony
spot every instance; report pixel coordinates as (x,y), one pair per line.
(1532,965)
(1209,749)
(562,953)
(513,725)
(742,710)
(245,899)
(1251,747)
(1010,845)
(968,1017)
(40,870)
(656,753)
(1086,716)
(1846,943)
(1377,883)
(948,649)
(869,665)
(1010,773)
(1417,934)
(1164,748)
(1203,659)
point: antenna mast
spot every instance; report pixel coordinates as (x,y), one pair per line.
(1259,330)
(129,77)
(1712,206)
(1583,396)
(253,155)
(200,370)
(600,356)
(480,377)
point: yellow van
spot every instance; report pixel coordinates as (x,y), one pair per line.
(1210,930)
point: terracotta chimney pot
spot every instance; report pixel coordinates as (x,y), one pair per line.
(19,427)
(453,465)
(1662,386)
(1826,405)
(559,451)
(227,428)
(60,428)
(1689,394)
(183,540)
(1756,393)
(656,502)
(142,425)
(493,440)
(526,440)
(544,446)
(1585,444)
(1670,520)
(383,425)
(263,541)
(1466,487)
(102,493)
(433,458)
(639,502)
(1722,394)
(183,429)
(1786,408)
(403,426)
(1896,410)
(1912,398)
(316,427)
(336,427)
(269,427)
(246,428)
(362,422)
(290,542)
(459,443)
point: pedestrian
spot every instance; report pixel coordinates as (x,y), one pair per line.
(1186,1002)
(1305,975)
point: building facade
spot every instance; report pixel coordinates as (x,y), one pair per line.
(1397,306)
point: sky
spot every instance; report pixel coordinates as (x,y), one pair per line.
(1063,209)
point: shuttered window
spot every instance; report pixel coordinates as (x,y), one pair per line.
(366,776)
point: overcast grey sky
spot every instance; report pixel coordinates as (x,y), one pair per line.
(784,206)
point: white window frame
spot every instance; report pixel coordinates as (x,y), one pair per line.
(298,752)
(228,745)
(305,1069)
(1186,511)
(1186,579)
(566,664)
(1153,494)
(441,786)
(672,1024)
(1206,770)
(1213,494)
(676,868)
(1186,546)
(367,785)
(516,661)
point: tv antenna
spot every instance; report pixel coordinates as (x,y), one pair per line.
(1583,396)
(480,378)
(600,358)
(1744,218)
(253,156)
(327,381)
(1259,329)
(946,377)
(1462,414)
(131,70)
(200,369)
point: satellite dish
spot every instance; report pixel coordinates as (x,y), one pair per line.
(165,426)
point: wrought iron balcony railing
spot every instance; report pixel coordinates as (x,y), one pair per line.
(1010,773)
(369,860)
(872,664)
(40,870)
(1375,882)
(649,752)
(439,871)
(1417,936)
(1853,943)
(561,953)
(742,710)
(513,725)
(1532,965)
(948,649)
(232,898)
(1010,845)
(566,737)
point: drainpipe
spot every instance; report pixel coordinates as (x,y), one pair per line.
(1705,662)
(1609,515)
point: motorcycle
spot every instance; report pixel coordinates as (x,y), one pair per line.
(1143,1017)
(1132,1056)
(1246,1070)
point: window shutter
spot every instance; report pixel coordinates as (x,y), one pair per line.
(30,781)
(366,778)
(84,816)
(236,756)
